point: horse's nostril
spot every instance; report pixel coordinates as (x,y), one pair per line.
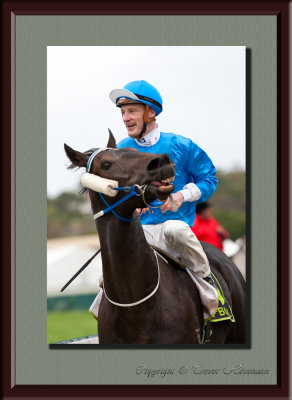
(154,164)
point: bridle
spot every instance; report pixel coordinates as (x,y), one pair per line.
(135,190)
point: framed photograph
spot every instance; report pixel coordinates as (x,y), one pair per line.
(209,89)
(47,37)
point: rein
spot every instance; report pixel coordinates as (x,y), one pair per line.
(144,298)
(135,190)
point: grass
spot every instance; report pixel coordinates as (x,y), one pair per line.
(63,325)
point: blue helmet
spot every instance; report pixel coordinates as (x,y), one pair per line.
(138,92)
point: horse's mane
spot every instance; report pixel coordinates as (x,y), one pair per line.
(72,166)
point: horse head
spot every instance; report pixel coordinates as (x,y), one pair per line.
(129,167)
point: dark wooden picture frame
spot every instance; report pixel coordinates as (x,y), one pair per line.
(10,9)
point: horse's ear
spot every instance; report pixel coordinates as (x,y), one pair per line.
(111,141)
(77,158)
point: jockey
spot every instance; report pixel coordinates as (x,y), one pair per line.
(195,181)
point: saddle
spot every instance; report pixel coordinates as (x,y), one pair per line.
(169,258)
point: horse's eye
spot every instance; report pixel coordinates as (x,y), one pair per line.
(106,165)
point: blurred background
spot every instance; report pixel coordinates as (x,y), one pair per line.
(203,91)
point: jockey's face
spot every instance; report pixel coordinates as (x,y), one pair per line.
(132,115)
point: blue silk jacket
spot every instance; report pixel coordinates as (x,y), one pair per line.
(192,166)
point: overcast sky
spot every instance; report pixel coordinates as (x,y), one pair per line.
(203,92)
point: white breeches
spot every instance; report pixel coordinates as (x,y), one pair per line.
(177,238)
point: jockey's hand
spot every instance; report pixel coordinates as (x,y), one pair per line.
(178,198)
(141,211)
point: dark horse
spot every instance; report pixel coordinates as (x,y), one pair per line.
(131,269)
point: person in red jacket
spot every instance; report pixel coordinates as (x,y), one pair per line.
(206,227)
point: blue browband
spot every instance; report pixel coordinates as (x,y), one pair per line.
(92,157)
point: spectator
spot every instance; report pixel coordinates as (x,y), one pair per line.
(206,227)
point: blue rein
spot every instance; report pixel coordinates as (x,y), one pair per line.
(132,192)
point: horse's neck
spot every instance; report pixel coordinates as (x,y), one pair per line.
(129,265)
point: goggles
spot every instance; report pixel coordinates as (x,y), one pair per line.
(125,100)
